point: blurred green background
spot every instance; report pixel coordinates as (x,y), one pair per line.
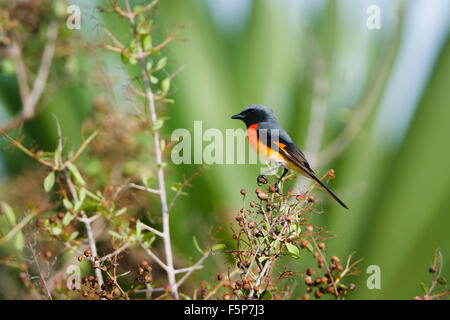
(315,63)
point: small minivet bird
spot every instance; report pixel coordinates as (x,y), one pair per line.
(270,141)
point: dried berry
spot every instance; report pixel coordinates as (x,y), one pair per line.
(143,263)
(263,196)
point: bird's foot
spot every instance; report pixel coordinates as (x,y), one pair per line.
(262,179)
(277,188)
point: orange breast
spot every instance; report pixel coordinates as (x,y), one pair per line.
(261,149)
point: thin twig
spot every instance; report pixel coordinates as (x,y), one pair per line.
(31,97)
(158,155)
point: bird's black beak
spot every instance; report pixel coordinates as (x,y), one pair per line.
(238,116)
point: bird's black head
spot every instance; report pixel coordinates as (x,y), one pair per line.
(255,113)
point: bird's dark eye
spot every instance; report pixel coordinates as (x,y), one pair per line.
(252,110)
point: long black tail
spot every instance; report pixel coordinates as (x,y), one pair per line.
(335,197)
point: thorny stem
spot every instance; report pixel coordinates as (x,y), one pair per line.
(87,223)
(158,154)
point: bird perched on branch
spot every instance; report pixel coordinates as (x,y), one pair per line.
(271,142)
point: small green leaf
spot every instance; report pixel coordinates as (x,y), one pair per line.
(82,195)
(19,241)
(75,173)
(165,85)
(49,181)
(138,228)
(424,287)
(67,219)
(442,281)
(266,295)
(310,247)
(74,235)
(123,274)
(121,211)
(292,250)
(149,65)
(115,234)
(218,247)
(8,67)
(137,8)
(146,42)
(67,204)
(157,124)
(154,80)
(184,296)
(161,63)
(56,231)
(149,238)
(9,213)
(195,242)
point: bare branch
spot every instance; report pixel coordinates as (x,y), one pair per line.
(150,190)
(30,98)
(192,269)
(159,162)
(154,256)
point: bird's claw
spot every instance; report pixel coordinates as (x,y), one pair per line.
(277,188)
(262,179)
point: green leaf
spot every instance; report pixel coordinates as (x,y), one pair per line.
(115,234)
(149,65)
(149,238)
(292,250)
(266,295)
(49,181)
(146,42)
(218,247)
(157,124)
(82,195)
(67,204)
(74,235)
(424,287)
(120,212)
(195,242)
(138,228)
(442,281)
(56,231)
(161,63)
(137,8)
(67,219)
(184,296)
(19,241)
(310,247)
(75,173)
(165,85)
(123,274)
(154,79)
(8,67)
(9,213)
